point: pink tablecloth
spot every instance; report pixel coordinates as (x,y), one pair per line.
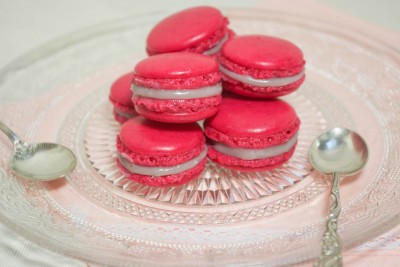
(383,251)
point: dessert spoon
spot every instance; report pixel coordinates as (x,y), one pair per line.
(342,152)
(40,162)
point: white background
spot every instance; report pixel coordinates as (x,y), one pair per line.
(27,24)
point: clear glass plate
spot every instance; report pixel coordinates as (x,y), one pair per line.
(60,93)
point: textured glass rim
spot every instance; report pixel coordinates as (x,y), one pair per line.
(60,43)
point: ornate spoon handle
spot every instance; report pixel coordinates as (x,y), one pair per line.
(10,134)
(22,150)
(331,245)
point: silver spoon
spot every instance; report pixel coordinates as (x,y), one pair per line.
(341,152)
(40,162)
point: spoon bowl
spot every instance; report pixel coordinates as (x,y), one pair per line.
(48,161)
(40,162)
(341,152)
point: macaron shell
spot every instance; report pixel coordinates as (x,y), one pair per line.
(150,143)
(121,93)
(177,111)
(178,65)
(121,97)
(194,82)
(185,29)
(212,45)
(262,56)
(167,180)
(252,123)
(249,165)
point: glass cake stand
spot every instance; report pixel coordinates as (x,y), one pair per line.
(59,92)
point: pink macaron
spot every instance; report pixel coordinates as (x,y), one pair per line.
(198,29)
(261,66)
(160,154)
(121,98)
(249,134)
(177,87)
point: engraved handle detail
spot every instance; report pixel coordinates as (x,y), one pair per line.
(22,150)
(10,134)
(331,245)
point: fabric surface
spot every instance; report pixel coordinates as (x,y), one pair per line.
(17,251)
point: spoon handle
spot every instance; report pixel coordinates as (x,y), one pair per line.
(10,134)
(331,245)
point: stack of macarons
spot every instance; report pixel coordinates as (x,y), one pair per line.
(193,57)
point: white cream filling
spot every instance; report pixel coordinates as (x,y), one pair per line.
(160,171)
(206,91)
(273,82)
(216,47)
(124,114)
(251,154)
